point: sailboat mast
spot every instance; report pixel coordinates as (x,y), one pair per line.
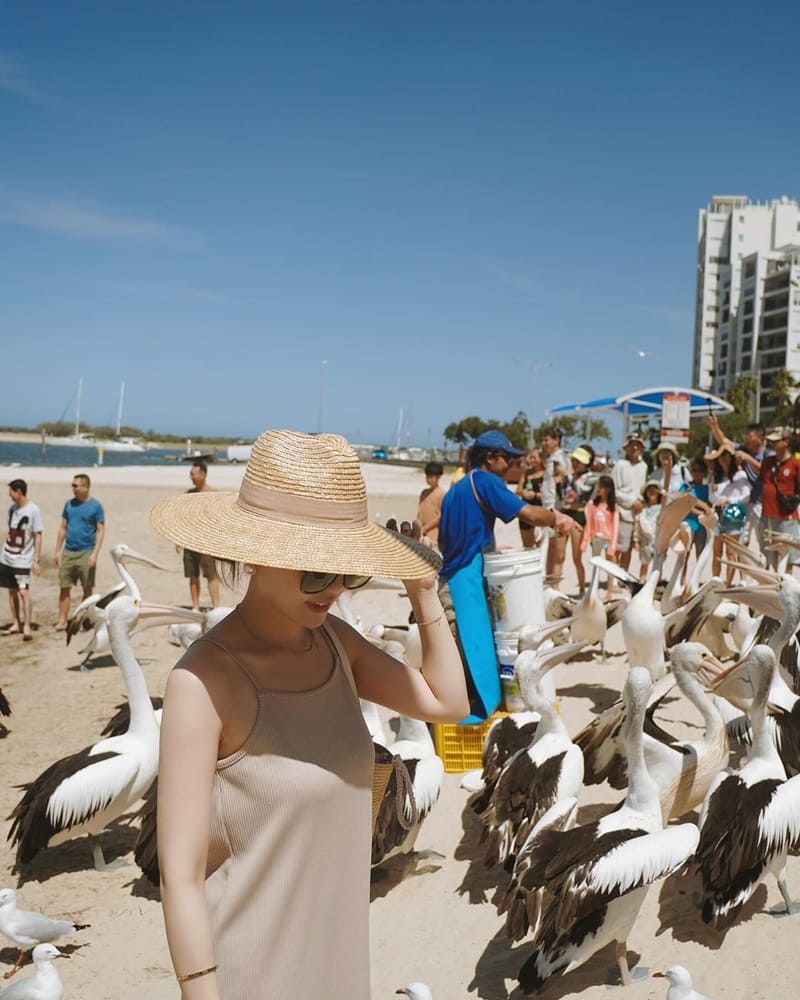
(399,430)
(119,407)
(78,408)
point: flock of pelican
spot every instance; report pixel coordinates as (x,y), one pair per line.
(566,886)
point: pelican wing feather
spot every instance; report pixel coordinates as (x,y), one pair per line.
(90,789)
(779,821)
(644,860)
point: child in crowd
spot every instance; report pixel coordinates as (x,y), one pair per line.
(698,487)
(648,524)
(602,522)
(529,488)
(429,510)
(578,488)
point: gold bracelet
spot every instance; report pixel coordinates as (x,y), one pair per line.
(433,621)
(196,975)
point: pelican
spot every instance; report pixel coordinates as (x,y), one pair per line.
(409,638)
(83,793)
(93,611)
(26,928)
(393,833)
(548,770)
(749,820)
(592,880)
(680,984)
(682,770)
(590,617)
(185,633)
(5,709)
(643,629)
(45,983)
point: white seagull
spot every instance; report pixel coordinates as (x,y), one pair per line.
(416,991)
(680,984)
(83,793)
(44,984)
(592,880)
(26,928)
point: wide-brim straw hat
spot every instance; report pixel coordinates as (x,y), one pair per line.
(724,449)
(302,505)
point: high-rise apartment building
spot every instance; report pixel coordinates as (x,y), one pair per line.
(747,305)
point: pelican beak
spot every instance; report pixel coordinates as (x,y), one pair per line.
(725,674)
(165,614)
(559,654)
(133,556)
(544,632)
(763,576)
(710,669)
(763,599)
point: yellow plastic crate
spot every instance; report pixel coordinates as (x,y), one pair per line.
(460,747)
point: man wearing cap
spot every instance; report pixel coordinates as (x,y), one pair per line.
(630,474)
(780,480)
(469,511)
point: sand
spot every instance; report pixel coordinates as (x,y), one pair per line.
(432,919)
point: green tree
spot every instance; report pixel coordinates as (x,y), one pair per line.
(779,396)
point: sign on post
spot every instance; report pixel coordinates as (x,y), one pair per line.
(675,414)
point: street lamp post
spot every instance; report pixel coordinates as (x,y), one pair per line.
(533,367)
(322,366)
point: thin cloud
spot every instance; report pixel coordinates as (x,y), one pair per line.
(163,290)
(14,80)
(81,222)
(521,280)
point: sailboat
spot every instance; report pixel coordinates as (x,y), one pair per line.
(122,442)
(76,439)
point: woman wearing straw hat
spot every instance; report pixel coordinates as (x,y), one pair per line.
(265,776)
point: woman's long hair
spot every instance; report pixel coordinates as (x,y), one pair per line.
(611,493)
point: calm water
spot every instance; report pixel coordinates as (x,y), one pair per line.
(14,453)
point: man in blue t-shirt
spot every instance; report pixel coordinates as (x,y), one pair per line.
(469,510)
(80,536)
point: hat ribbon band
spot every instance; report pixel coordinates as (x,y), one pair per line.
(299,510)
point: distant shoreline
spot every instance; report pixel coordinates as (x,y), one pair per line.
(29,437)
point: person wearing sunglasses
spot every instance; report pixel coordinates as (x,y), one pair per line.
(266,764)
(80,538)
(466,531)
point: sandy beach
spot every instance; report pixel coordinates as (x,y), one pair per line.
(432,920)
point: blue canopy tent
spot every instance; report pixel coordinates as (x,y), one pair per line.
(647,402)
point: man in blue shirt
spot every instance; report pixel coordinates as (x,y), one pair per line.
(469,510)
(80,536)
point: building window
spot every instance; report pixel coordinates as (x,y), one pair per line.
(713,325)
(749,269)
(747,325)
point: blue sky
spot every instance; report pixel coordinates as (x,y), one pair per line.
(208,201)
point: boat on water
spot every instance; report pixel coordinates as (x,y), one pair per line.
(86,439)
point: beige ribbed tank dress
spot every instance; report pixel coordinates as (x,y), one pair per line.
(289,852)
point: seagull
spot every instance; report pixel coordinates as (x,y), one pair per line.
(680,984)
(416,991)
(591,881)
(93,611)
(84,792)
(26,928)
(44,984)
(749,819)
(185,633)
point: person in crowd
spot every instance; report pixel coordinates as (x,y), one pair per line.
(21,555)
(80,538)
(578,489)
(196,563)
(697,485)
(264,750)
(780,485)
(602,520)
(749,454)
(630,474)
(555,468)
(652,495)
(729,492)
(667,462)
(529,488)
(469,511)
(429,509)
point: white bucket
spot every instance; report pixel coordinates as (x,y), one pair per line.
(514,580)
(507,644)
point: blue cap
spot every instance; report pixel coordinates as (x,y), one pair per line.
(497,441)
